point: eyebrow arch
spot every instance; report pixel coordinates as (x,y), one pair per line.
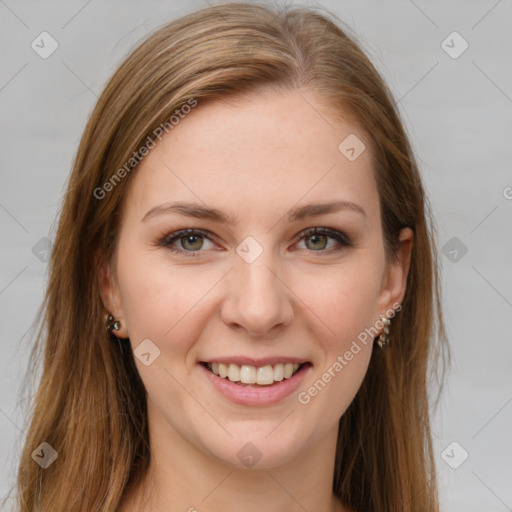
(295,214)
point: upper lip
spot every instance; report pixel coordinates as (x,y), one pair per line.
(258,362)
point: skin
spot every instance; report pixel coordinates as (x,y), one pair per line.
(256,157)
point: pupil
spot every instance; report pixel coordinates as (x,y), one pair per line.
(316,237)
(191,238)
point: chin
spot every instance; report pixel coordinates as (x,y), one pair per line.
(258,451)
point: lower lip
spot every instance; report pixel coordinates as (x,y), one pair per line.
(261,395)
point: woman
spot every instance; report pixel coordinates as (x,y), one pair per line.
(243,287)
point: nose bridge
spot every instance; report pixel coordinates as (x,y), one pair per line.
(258,299)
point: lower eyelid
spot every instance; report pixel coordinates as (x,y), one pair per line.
(170,239)
(342,240)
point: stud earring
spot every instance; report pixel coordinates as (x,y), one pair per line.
(383,339)
(110,323)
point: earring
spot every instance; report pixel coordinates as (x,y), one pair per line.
(383,339)
(110,323)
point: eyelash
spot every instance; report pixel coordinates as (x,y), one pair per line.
(167,240)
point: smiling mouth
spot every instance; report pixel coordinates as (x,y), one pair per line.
(249,375)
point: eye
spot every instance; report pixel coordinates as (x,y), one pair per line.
(319,237)
(191,241)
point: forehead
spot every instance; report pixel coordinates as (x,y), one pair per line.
(257,155)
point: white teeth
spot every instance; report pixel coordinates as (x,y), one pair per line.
(234,373)
(279,372)
(248,374)
(223,370)
(265,375)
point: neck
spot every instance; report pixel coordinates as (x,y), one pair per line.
(191,480)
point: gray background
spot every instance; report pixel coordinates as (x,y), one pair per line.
(457,111)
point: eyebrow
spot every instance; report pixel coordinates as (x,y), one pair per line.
(295,214)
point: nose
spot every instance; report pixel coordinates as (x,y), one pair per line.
(257,299)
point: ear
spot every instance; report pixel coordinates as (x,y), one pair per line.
(110,295)
(395,279)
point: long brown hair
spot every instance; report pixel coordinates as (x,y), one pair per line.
(90,405)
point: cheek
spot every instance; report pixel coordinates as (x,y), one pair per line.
(160,298)
(343,298)
(344,301)
(345,307)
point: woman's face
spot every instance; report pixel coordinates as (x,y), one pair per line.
(258,292)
